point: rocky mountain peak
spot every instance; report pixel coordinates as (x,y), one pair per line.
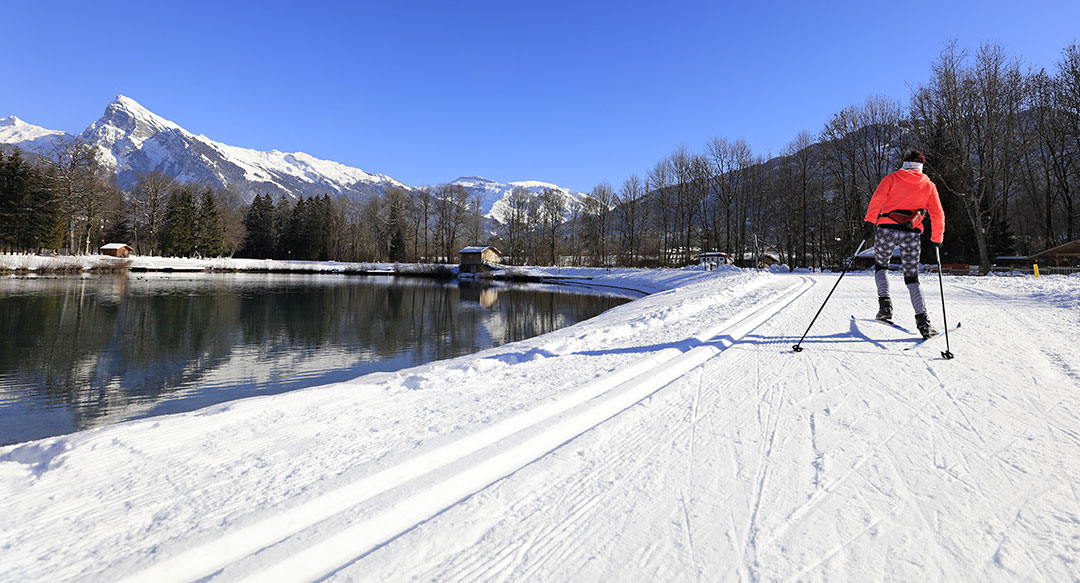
(130,118)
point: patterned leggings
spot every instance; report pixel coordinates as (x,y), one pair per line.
(887,240)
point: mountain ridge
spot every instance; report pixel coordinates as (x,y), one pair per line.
(131,140)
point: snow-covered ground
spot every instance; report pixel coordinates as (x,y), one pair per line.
(674,438)
(69,263)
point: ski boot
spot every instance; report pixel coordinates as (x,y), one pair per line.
(922,321)
(884,310)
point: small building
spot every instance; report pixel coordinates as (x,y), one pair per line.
(1067,255)
(714,259)
(117,249)
(479,258)
(765,256)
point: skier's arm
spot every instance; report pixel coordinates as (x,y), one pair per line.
(937,216)
(878,199)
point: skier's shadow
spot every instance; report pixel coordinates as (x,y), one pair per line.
(853,330)
(852,336)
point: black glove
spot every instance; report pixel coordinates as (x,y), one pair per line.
(868,229)
(936,244)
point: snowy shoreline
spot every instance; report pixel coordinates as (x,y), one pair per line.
(668,437)
(45,264)
(623,282)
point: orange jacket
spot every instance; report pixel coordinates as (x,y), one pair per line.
(907,190)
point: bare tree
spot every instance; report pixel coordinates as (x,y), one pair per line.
(659,186)
(881,141)
(419,211)
(1068,85)
(966,119)
(451,202)
(72,176)
(476,218)
(686,199)
(840,141)
(552,209)
(801,161)
(600,214)
(516,225)
(148,199)
(629,218)
(728,162)
(1045,158)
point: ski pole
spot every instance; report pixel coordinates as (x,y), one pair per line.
(941,283)
(798,347)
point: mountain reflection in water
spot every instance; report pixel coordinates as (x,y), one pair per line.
(80,352)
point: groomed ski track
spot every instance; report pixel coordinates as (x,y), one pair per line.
(701,448)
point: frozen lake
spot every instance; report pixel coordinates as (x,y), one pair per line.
(80,352)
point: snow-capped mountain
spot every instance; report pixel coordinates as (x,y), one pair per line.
(495,196)
(132,140)
(27,136)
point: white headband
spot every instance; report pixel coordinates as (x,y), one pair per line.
(912,166)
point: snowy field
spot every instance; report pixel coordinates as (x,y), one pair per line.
(674,438)
(68,263)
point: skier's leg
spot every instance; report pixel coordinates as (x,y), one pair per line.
(884,243)
(909,256)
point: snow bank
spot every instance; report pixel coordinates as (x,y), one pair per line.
(60,263)
(68,263)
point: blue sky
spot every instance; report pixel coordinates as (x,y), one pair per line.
(567,92)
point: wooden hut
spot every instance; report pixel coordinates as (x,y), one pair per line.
(478,258)
(117,249)
(1067,255)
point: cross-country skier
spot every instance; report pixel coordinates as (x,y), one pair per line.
(896,212)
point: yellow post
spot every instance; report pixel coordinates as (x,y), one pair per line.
(1036,270)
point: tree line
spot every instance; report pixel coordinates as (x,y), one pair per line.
(1003,146)
(67,201)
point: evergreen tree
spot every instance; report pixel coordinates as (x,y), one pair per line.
(117,232)
(14,191)
(282,242)
(397,245)
(179,231)
(296,240)
(396,228)
(321,219)
(29,212)
(208,224)
(115,222)
(259,223)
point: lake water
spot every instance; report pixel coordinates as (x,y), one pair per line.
(80,352)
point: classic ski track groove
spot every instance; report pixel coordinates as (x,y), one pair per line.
(105,515)
(578,524)
(584,407)
(664,558)
(359,538)
(583,525)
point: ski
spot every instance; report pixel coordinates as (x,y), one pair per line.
(883,322)
(939,334)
